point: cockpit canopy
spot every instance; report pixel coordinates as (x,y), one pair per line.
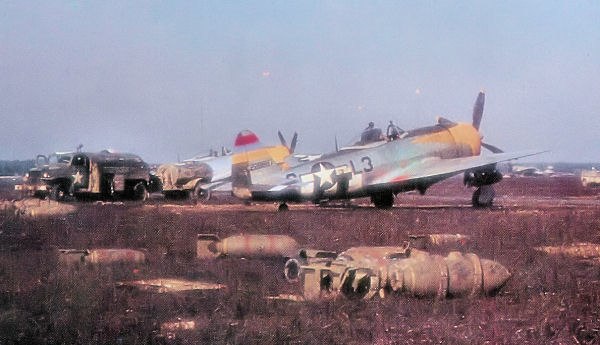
(371,135)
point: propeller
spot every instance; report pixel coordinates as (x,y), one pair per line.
(484,194)
(492,148)
(293,143)
(282,139)
(477,115)
(478,109)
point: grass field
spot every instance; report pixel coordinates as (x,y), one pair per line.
(547,300)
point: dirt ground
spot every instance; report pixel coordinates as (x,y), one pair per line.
(547,300)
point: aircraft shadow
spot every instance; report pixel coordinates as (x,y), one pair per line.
(405,207)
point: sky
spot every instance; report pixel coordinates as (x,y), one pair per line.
(172,79)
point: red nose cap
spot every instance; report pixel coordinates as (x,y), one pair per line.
(246,137)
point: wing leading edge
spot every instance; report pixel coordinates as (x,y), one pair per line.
(430,168)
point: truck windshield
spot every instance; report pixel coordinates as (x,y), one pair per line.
(59,158)
(79,160)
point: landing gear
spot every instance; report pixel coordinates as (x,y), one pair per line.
(383,200)
(483,196)
(283,207)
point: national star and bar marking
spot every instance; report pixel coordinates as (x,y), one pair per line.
(77,178)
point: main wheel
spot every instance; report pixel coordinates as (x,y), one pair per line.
(283,207)
(383,200)
(483,196)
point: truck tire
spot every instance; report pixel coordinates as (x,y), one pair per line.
(198,194)
(140,192)
(57,193)
(107,187)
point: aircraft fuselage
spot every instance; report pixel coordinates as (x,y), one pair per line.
(364,170)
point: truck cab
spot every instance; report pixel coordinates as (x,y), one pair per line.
(32,181)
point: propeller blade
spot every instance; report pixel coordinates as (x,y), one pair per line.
(281,139)
(337,148)
(294,142)
(478,109)
(492,148)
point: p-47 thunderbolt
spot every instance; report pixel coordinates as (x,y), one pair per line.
(376,167)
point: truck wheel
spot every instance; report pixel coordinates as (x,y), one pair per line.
(140,192)
(41,195)
(107,188)
(199,194)
(57,193)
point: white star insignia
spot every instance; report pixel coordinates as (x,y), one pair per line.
(77,178)
(325,175)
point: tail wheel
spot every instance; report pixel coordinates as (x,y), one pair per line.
(383,200)
(140,192)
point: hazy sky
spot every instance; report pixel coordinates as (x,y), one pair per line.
(170,78)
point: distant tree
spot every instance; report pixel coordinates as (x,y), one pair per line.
(11,168)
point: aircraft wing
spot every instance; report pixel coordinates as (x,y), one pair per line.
(298,158)
(438,167)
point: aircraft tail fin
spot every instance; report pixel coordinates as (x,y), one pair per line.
(246,140)
(252,163)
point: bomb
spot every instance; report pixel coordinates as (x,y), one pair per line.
(101,256)
(210,246)
(363,272)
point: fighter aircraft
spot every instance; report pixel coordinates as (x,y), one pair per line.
(375,167)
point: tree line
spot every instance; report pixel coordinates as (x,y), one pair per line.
(11,168)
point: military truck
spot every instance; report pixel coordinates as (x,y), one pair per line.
(105,174)
(33,185)
(197,177)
